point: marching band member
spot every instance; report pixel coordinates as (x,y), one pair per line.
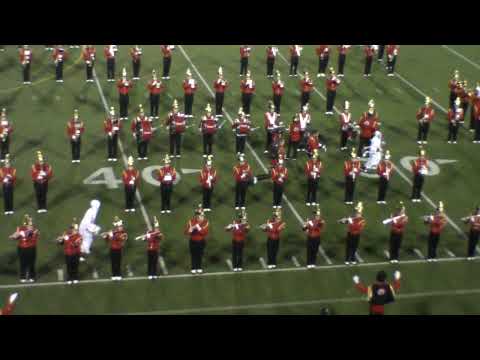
(124,86)
(273,227)
(153,238)
(452,85)
(10,306)
(167,176)
(26,61)
(278,149)
(374,152)
(476,115)
(305,120)
(398,222)
(208,179)
(88,228)
(88,54)
(278,88)
(239,229)
(437,222)
(342,57)
(369,51)
(313,143)
(295,53)
(368,123)
(351,169)
(306,87)
(242,127)
(136,54)
(155,88)
(142,131)
(279,174)
(247,87)
(177,125)
(110,52)
(131,179)
(72,242)
(245,52)
(474,234)
(392,53)
(323,53)
(112,126)
(465,95)
(41,174)
(332,84)
(8,177)
(189,89)
(272,123)
(27,236)
(381,51)
(346,126)
(420,170)
(356,224)
(384,170)
(474,98)
(243,177)
(208,128)
(6,129)
(75,129)
(272,52)
(313,227)
(455,117)
(313,170)
(167,60)
(197,229)
(425,116)
(116,239)
(295,136)
(220,85)
(59,56)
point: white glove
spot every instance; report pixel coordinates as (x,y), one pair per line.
(356,279)
(397,275)
(12,298)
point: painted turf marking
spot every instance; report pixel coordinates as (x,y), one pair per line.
(161,262)
(449,253)
(418,253)
(129,271)
(95,274)
(262,262)
(358,257)
(463,57)
(229,264)
(60,276)
(387,254)
(295,261)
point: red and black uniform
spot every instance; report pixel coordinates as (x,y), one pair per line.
(313,228)
(323,53)
(454,86)
(41,175)
(71,241)
(197,231)
(155,88)
(6,130)
(153,238)
(474,102)
(26,62)
(242,127)
(209,127)
(7,309)
(381,52)
(392,53)
(295,51)
(245,52)
(476,118)
(27,251)
(355,227)
(124,86)
(177,124)
(208,179)
(294,138)
(239,231)
(273,229)
(136,54)
(455,117)
(271,55)
(167,176)
(420,170)
(279,176)
(278,88)
(75,129)
(342,57)
(116,240)
(379,295)
(131,179)
(88,55)
(110,52)
(313,170)
(313,143)
(243,177)
(59,56)
(220,85)
(143,132)
(398,225)
(112,126)
(8,178)
(351,170)
(474,234)
(425,116)
(369,124)
(306,87)
(346,131)
(437,224)
(332,84)
(247,87)
(167,60)
(189,89)
(369,53)
(385,172)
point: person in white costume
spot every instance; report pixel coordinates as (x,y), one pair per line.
(374,152)
(88,228)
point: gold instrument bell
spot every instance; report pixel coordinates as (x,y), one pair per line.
(440,207)
(117,221)
(27,220)
(75,224)
(130,161)
(220,71)
(156,224)
(347,105)
(39,156)
(387,155)
(208,109)
(428,101)
(359,208)
(7,160)
(175,104)
(354,153)
(199,210)
(318,212)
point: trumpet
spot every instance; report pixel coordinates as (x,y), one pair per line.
(141,237)
(106,234)
(392,219)
(427,218)
(345,220)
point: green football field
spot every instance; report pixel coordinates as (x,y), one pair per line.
(39,113)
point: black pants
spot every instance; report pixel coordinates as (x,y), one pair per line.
(175,144)
(124,100)
(343,139)
(116,259)
(240,144)
(432,245)
(237,254)
(272,251)
(111,69)
(452,132)
(331,100)
(352,246)
(27,258)
(4,147)
(381,51)
(207,144)
(270,65)
(472,118)
(130,196)
(472,242)
(277,102)
(382,188)
(167,62)
(76,145)
(166,192)
(26,73)
(341,63)
(322,64)
(312,187)
(349,188)
(269,142)
(207,198)
(361,144)
(293,65)
(142,148)
(292,145)
(112,142)
(89,70)
(72,262)
(188,104)
(246,102)
(41,190)
(154,103)
(395,244)
(219,97)
(136,68)
(59,70)
(243,66)
(312,249)
(452,99)
(391,65)
(368,65)
(304,99)
(418,181)
(152,263)
(196,252)
(423,129)
(8,197)
(277,194)
(477,130)
(240,193)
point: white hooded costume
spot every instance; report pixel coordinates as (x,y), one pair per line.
(88,229)
(375,152)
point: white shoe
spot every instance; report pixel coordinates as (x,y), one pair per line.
(347,263)
(113,278)
(454,142)
(150,277)
(199,271)
(178,156)
(237,208)
(239,269)
(114,160)
(127,210)
(204,155)
(265,152)
(82,259)
(31,280)
(162,212)
(132,210)
(243,208)
(308,204)
(23,281)
(75,281)
(193,271)
(269,266)
(69,282)
(449,142)
(354,263)
(169,211)
(470,258)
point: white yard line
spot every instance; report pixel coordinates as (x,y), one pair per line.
(478,250)
(463,57)
(252,150)
(161,261)
(124,157)
(295,261)
(449,253)
(95,274)
(322,252)
(262,262)
(418,253)
(129,271)
(60,276)
(229,264)
(387,254)
(358,257)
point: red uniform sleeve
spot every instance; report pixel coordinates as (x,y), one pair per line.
(362,288)
(8,309)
